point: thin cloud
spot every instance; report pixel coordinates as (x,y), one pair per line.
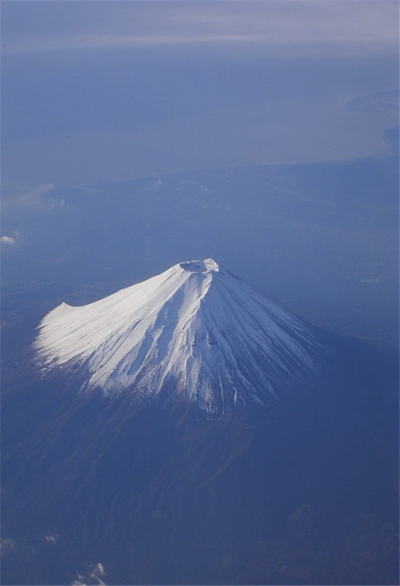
(7,546)
(370,25)
(37,198)
(372,280)
(98,41)
(382,102)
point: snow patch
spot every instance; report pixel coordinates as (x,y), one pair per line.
(195,330)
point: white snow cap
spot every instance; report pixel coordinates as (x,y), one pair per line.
(194,332)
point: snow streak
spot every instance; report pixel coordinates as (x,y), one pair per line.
(194,331)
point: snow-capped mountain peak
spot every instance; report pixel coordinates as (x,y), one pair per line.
(195,331)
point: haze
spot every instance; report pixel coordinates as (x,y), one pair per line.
(101,92)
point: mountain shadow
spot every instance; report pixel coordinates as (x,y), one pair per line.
(299,492)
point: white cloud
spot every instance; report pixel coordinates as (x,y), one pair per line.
(51,536)
(95,573)
(7,240)
(98,572)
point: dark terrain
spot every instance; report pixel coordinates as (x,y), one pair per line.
(303,493)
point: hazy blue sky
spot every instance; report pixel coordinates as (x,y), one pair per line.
(107,91)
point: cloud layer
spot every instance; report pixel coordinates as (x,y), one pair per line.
(351,26)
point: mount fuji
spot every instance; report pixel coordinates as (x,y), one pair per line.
(176,436)
(194,332)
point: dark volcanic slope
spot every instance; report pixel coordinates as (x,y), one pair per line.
(302,494)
